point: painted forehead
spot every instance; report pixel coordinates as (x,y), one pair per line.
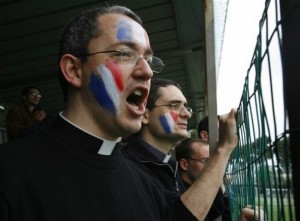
(131,31)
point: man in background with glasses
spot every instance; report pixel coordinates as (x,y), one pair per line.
(192,155)
(163,124)
(18,118)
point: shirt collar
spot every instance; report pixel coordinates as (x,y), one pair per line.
(102,147)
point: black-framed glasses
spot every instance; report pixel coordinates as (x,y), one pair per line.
(131,56)
(178,107)
(201,160)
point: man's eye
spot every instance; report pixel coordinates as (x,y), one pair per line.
(126,54)
(118,53)
(175,105)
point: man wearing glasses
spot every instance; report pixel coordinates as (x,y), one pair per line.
(18,118)
(192,155)
(73,169)
(163,124)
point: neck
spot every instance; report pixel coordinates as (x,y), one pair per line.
(29,107)
(86,123)
(164,145)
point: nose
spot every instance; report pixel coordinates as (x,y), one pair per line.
(142,69)
(185,112)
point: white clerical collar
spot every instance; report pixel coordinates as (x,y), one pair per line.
(107,146)
(167,158)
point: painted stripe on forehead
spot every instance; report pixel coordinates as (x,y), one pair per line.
(124,32)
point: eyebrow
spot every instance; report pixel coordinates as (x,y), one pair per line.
(177,102)
(131,45)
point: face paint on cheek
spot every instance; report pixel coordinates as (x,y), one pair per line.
(124,32)
(106,84)
(168,121)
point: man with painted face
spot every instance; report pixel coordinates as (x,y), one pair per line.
(164,123)
(192,155)
(72,169)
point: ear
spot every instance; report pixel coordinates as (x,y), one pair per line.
(183,164)
(145,119)
(71,68)
(203,135)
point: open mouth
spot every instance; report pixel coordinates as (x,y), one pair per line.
(137,98)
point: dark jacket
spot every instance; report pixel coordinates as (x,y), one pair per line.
(17,118)
(136,149)
(57,174)
(153,161)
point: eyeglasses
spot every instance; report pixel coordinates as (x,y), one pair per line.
(35,94)
(131,56)
(201,160)
(177,107)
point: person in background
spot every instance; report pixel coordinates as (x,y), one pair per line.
(247,213)
(163,124)
(20,117)
(203,133)
(203,129)
(192,155)
(160,131)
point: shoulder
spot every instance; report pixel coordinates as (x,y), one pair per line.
(15,108)
(19,150)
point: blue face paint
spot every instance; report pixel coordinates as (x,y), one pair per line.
(104,88)
(168,121)
(124,32)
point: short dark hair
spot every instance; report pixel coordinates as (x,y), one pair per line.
(26,90)
(183,148)
(80,30)
(203,125)
(154,94)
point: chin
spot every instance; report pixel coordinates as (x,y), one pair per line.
(132,127)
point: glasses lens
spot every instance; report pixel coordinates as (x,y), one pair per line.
(156,64)
(128,55)
(36,95)
(189,109)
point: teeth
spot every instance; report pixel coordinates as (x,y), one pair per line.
(137,92)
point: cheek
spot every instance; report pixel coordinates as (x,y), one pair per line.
(168,121)
(197,169)
(106,84)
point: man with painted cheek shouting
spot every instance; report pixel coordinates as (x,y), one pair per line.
(72,170)
(164,123)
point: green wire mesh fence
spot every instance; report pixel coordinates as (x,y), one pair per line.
(259,172)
